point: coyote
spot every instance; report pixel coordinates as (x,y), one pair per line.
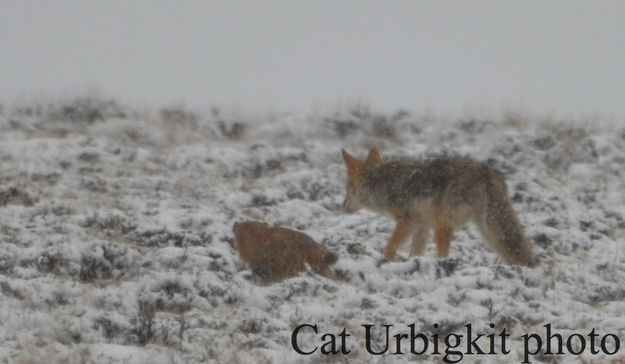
(277,253)
(439,194)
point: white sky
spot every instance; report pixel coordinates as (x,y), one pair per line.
(566,57)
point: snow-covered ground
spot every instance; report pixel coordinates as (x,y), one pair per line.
(115,231)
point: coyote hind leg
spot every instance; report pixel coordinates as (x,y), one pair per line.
(419,241)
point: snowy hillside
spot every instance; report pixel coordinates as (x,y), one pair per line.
(115,231)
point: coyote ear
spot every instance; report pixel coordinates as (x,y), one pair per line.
(346,156)
(351,161)
(374,157)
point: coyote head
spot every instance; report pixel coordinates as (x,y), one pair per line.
(356,193)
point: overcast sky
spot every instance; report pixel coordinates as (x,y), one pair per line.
(565,57)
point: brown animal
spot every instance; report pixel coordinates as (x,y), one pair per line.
(439,194)
(277,253)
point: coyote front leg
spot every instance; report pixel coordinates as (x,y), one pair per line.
(419,241)
(403,230)
(443,234)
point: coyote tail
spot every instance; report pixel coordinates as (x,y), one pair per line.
(500,224)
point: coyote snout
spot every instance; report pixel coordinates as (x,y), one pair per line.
(437,194)
(349,204)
